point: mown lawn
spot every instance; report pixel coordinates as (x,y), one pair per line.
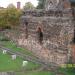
(67,71)
(7,64)
(14,47)
(35,73)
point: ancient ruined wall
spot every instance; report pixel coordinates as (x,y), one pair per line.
(57,33)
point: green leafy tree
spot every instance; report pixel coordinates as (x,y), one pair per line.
(2,18)
(28,6)
(9,17)
(13,16)
(11,6)
(41,4)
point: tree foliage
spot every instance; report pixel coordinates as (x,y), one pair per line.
(28,6)
(41,4)
(9,16)
(11,6)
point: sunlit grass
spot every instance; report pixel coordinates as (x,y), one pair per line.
(7,64)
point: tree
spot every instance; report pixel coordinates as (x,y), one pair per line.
(28,6)
(11,6)
(13,16)
(41,4)
(9,17)
(2,18)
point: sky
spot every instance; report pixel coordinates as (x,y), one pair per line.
(4,3)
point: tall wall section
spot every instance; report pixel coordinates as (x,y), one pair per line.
(57,30)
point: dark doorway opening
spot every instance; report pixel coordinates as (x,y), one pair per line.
(26,30)
(74,38)
(40,35)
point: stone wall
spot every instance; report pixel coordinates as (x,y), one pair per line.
(46,13)
(57,35)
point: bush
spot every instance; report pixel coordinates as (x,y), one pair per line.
(4,39)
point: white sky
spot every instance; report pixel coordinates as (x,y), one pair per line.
(4,3)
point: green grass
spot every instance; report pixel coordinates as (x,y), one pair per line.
(67,71)
(13,46)
(7,64)
(35,73)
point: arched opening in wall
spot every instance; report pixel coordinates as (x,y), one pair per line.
(40,35)
(26,30)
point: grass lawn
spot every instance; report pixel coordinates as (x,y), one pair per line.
(68,71)
(7,64)
(35,73)
(13,46)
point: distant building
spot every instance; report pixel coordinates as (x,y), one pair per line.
(18,5)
